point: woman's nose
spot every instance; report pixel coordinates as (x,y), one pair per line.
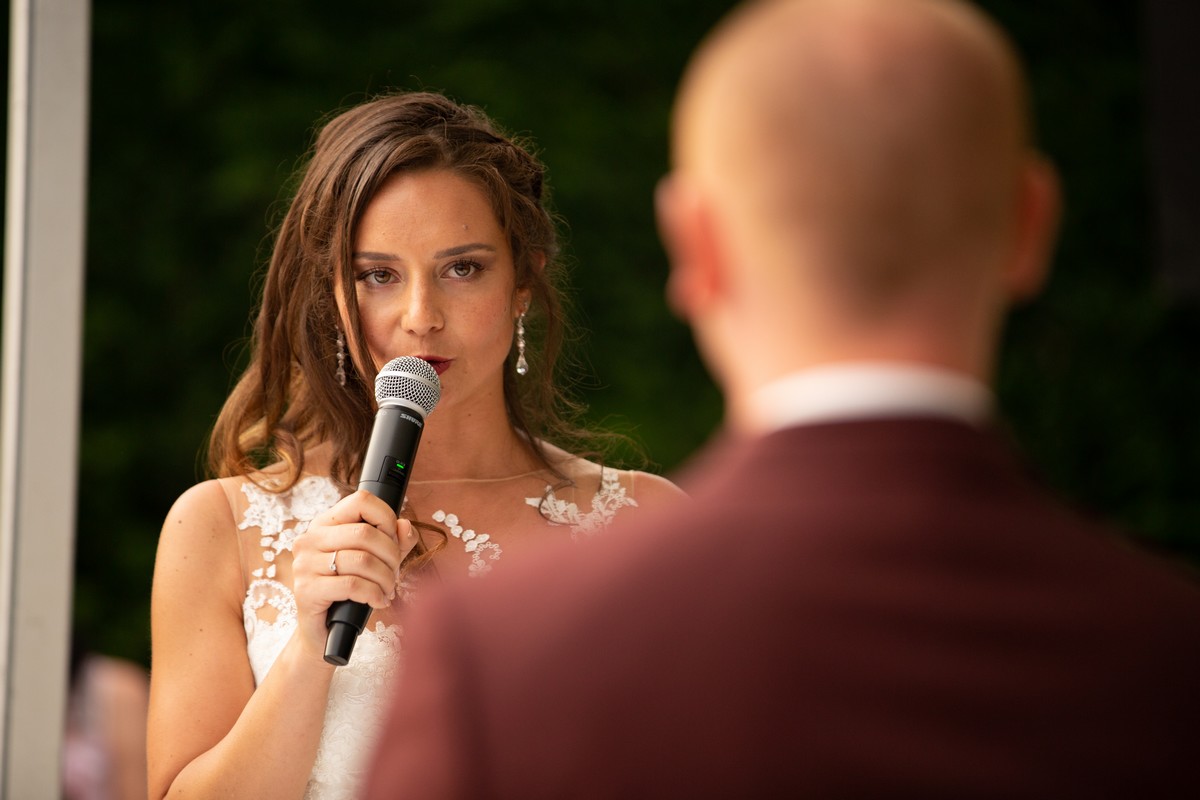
(423,312)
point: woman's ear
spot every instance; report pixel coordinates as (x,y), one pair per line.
(521,300)
(524,296)
(686,228)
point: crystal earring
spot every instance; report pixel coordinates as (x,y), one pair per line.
(340,372)
(522,364)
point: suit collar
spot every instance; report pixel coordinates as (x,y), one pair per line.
(869,390)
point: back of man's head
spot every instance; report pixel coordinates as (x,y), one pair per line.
(866,171)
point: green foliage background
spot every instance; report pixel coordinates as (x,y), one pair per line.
(200,112)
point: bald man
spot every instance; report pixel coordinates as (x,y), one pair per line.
(866,596)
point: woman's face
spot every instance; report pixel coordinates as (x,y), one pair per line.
(435,279)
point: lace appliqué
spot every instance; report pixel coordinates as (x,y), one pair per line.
(270,513)
(360,691)
(280,518)
(610,499)
(359,698)
(266,638)
(479,545)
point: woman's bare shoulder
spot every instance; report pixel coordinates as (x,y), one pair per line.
(645,488)
(205,504)
(651,490)
(200,529)
(197,568)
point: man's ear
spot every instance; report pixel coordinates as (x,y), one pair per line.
(685,225)
(1038,212)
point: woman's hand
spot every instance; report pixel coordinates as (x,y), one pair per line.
(362,537)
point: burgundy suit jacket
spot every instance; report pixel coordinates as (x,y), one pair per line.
(871,609)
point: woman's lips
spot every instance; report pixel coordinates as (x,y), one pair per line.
(439,365)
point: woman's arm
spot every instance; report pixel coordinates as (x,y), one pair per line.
(210,733)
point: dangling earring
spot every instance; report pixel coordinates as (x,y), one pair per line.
(522,364)
(340,372)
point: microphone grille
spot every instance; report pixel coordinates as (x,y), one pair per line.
(410,379)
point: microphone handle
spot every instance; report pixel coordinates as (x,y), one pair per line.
(385,473)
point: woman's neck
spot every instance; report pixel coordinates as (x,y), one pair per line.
(474,445)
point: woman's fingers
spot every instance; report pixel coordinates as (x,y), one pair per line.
(406,534)
(361,506)
(352,552)
(360,576)
(361,536)
(359,521)
(361,573)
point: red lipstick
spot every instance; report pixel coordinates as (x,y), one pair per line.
(438,363)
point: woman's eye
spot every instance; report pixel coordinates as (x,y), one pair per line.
(464,269)
(378,277)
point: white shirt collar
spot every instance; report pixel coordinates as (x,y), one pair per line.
(864,390)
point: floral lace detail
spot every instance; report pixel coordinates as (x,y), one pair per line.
(265,638)
(359,694)
(610,499)
(477,544)
(269,593)
(270,512)
(354,717)
(357,697)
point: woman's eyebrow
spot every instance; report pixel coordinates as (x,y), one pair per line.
(372,256)
(457,250)
(464,248)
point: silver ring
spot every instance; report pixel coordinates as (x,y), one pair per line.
(333,564)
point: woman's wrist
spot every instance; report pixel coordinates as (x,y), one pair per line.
(302,655)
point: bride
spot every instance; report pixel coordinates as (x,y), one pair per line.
(417,229)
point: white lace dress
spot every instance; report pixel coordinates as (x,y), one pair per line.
(360,690)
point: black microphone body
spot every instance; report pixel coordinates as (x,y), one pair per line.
(406,389)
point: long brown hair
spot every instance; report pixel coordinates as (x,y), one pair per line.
(288,399)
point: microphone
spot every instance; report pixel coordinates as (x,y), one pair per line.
(406,389)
